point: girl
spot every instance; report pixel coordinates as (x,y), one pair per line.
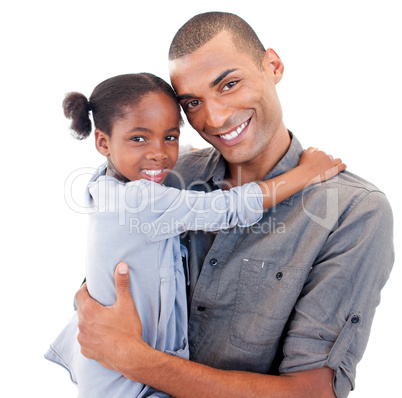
(134,218)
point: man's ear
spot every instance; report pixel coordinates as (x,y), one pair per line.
(274,63)
(102,142)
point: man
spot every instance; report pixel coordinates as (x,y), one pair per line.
(283,308)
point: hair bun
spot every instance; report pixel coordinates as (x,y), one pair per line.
(76,107)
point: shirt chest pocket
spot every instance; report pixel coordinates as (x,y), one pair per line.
(265,298)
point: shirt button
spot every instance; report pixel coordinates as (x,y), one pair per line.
(279,276)
(355,319)
(201,308)
(213,261)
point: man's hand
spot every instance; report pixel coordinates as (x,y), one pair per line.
(106,332)
(113,336)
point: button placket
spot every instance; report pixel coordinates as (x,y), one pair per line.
(213,262)
(279,276)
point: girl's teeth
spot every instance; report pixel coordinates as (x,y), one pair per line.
(152,172)
(234,133)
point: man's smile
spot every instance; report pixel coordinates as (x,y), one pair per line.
(236,134)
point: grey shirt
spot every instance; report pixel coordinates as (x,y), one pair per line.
(296,291)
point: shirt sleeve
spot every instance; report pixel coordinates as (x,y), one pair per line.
(170,211)
(331,322)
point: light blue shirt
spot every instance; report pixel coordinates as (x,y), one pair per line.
(139,222)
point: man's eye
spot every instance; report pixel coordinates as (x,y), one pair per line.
(138,139)
(192,104)
(229,85)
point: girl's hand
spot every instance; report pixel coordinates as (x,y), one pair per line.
(320,166)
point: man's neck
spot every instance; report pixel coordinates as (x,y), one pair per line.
(256,169)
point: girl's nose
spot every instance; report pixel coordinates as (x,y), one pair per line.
(156,152)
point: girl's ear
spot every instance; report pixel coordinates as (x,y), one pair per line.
(102,142)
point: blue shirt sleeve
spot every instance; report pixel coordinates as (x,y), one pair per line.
(171,211)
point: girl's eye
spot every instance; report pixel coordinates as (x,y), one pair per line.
(229,85)
(138,139)
(171,138)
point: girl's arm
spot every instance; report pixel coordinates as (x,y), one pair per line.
(171,211)
(314,166)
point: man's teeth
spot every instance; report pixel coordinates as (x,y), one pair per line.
(152,172)
(234,133)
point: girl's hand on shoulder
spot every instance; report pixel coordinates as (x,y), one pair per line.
(319,165)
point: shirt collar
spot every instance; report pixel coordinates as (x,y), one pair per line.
(289,161)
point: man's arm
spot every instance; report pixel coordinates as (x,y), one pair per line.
(113,336)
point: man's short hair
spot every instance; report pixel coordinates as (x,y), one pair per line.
(204,27)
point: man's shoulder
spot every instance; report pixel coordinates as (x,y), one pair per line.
(352,191)
(355,189)
(355,183)
(192,166)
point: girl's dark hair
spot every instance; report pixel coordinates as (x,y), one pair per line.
(110,100)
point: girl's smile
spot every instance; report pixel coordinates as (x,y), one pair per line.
(143,144)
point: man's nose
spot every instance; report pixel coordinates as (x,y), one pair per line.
(216,113)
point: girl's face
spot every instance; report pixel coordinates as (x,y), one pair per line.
(145,144)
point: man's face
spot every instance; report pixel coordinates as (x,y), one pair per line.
(229,99)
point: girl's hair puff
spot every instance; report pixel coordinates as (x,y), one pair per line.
(76,108)
(110,101)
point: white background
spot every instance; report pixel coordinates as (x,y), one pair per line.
(341,91)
